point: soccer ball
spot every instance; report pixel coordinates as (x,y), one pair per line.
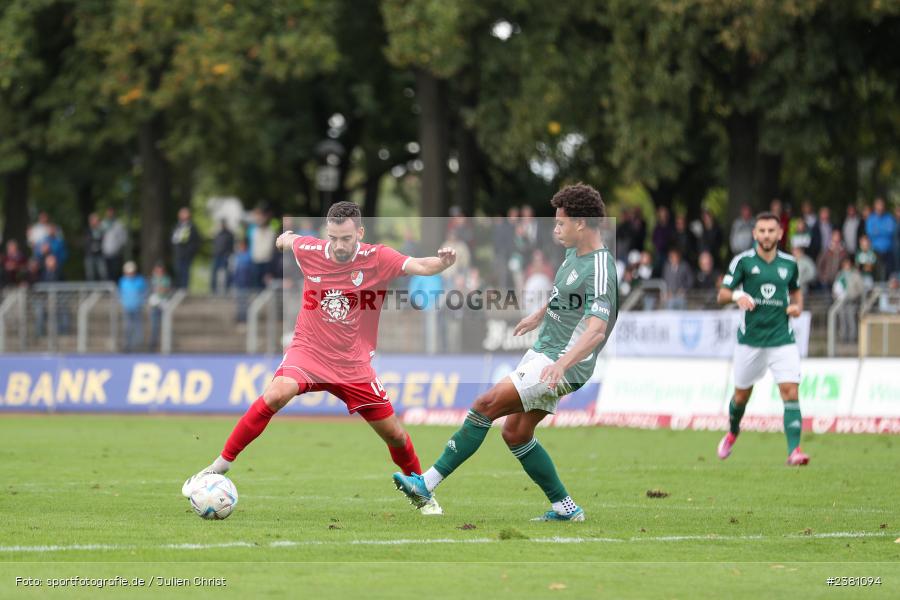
(213,497)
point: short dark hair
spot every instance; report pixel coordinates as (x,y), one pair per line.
(767,216)
(580,201)
(341,211)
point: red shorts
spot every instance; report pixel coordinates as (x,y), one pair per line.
(368,398)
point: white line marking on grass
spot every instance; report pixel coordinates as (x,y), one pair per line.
(405,541)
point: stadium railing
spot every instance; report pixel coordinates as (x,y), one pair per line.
(44,315)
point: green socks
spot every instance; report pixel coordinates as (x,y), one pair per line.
(793,423)
(464,443)
(539,466)
(735,414)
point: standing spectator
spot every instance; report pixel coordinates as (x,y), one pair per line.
(896,265)
(848,285)
(261,241)
(538,282)
(185,243)
(14,262)
(529,228)
(824,226)
(776,207)
(115,237)
(503,232)
(663,236)
(244,279)
(707,274)
(852,229)
(53,244)
(711,236)
(806,269)
(801,237)
(132,294)
(685,240)
(741,238)
(679,279)
(810,229)
(880,228)
(829,261)
(866,261)
(32,273)
(94,264)
(305,227)
(160,289)
(50,272)
(38,232)
(223,246)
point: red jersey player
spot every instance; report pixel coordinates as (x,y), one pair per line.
(335,335)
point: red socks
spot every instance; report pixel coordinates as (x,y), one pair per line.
(406,458)
(248,429)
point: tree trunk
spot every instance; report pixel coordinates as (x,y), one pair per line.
(465,177)
(15,207)
(743,140)
(769,178)
(433,141)
(370,200)
(155,193)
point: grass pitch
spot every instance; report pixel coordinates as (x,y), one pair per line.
(99,497)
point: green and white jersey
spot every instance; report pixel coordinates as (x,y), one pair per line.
(769,284)
(585,286)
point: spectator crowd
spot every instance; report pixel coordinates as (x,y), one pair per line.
(843,257)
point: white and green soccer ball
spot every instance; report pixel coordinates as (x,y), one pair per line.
(213,496)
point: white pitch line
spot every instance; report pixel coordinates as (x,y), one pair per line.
(403,542)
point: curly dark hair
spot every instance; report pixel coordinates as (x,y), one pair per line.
(580,201)
(341,211)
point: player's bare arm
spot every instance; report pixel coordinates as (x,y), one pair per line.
(796,306)
(587,343)
(431,265)
(739,297)
(532,321)
(285,240)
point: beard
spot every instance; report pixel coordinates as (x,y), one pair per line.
(767,247)
(342,256)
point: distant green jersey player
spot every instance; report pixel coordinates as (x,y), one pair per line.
(763,283)
(575,324)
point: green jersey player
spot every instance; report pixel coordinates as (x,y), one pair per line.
(763,283)
(575,324)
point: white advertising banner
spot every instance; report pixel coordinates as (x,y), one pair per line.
(836,395)
(878,394)
(688,333)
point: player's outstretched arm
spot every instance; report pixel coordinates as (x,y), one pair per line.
(285,241)
(431,265)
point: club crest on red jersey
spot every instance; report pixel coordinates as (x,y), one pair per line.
(356,277)
(336,305)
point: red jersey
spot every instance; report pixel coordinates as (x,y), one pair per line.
(338,320)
